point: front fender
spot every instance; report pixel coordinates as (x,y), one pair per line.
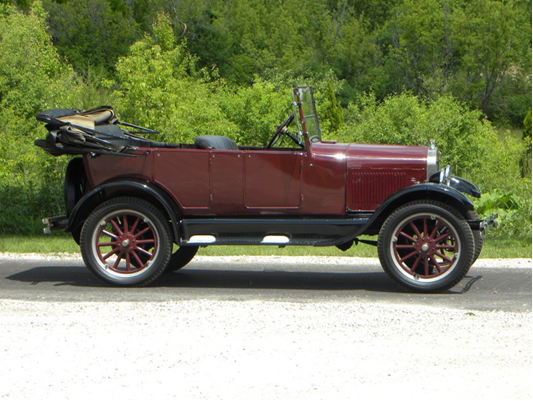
(424,191)
(114,189)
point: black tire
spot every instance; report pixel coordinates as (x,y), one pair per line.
(181,257)
(426,246)
(479,236)
(126,242)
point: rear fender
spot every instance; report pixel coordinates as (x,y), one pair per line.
(114,189)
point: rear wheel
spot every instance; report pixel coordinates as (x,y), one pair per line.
(426,246)
(126,242)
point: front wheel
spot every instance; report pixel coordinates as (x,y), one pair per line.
(126,242)
(426,246)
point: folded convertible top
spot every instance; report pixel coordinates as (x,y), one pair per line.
(98,130)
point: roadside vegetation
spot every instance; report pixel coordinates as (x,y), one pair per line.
(401,71)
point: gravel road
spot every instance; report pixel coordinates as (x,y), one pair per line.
(247,350)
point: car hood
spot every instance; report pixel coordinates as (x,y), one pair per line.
(374,157)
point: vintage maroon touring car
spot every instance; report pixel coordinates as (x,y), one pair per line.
(139,207)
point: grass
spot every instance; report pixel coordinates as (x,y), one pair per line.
(62,243)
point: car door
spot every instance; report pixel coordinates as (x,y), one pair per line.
(273,179)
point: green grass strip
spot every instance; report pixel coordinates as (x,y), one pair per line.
(62,243)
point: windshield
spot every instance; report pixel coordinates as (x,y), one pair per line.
(305,111)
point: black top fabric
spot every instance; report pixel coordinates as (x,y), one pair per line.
(48,115)
(215,142)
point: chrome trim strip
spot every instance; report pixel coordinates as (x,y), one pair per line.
(432,160)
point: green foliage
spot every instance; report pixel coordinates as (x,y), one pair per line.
(31,76)
(333,118)
(254,111)
(226,67)
(404,119)
(91,32)
(525,160)
(160,86)
(470,145)
(514,214)
(31,80)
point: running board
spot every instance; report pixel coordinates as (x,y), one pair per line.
(269,231)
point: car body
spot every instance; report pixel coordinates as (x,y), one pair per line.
(130,201)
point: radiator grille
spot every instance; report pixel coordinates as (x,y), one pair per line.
(371,188)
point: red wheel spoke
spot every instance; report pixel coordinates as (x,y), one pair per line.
(141,232)
(415,229)
(117,262)
(408,256)
(415,265)
(125,223)
(441,237)
(447,246)
(128,262)
(426,266)
(425,226)
(138,259)
(116,226)
(444,257)
(146,241)
(407,236)
(111,253)
(143,251)
(134,226)
(109,234)
(107,243)
(437,264)
(434,232)
(413,246)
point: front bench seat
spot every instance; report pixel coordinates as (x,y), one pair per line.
(215,142)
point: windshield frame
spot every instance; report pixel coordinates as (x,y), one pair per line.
(305,112)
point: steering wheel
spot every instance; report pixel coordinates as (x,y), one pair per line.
(282,129)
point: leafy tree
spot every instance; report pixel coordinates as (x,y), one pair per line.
(91,32)
(160,86)
(332,111)
(32,79)
(467,49)
(462,138)
(492,42)
(32,76)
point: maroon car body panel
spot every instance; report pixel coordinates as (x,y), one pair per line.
(330,180)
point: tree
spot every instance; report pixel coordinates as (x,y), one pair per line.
(160,86)
(333,111)
(90,32)
(32,79)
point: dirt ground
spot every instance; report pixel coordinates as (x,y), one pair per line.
(256,350)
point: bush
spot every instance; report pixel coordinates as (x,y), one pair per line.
(32,80)
(514,214)
(468,143)
(465,141)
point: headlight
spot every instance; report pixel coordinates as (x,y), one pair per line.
(432,160)
(441,176)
